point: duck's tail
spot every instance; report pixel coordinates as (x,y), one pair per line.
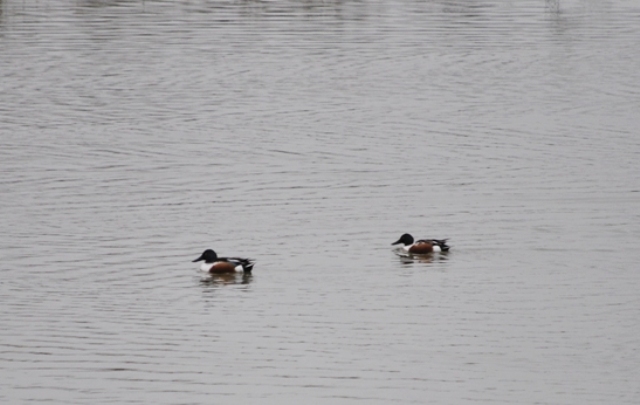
(247,265)
(442,243)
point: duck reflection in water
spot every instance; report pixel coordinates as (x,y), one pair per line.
(407,259)
(225,279)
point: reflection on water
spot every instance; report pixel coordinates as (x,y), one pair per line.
(305,134)
(221,280)
(407,258)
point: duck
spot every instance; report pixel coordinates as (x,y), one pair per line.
(214,264)
(422,246)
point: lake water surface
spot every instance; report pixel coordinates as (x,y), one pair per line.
(310,135)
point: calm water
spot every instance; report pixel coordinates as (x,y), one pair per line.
(309,135)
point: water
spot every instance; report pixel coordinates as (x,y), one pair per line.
(310,135)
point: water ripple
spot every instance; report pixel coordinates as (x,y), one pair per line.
(309,135)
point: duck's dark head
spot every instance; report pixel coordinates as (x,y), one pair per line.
(405,239)
(209,256)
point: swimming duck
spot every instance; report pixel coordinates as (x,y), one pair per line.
(214,264)
(423,246)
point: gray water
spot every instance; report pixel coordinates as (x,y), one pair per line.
(309,135)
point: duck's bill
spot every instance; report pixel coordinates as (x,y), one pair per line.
(198,259)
